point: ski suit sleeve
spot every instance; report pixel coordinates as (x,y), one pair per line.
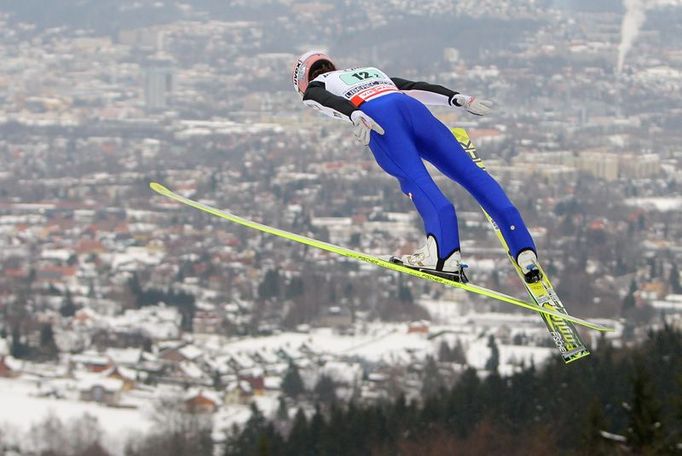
(430,94)
(318,97)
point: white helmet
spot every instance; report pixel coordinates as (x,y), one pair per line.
(305,64)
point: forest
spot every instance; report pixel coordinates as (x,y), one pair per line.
(619,401)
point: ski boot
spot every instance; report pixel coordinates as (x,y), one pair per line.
(426,259)
(528,262)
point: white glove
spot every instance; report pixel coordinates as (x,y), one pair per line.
(472,104)
(364,124)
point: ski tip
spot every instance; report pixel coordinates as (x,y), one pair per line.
(158,188)
(576,355)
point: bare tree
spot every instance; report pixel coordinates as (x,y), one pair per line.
(49,435)
(177,431)
(79,437)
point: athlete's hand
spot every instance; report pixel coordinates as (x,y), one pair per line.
(364,124)
(472,104)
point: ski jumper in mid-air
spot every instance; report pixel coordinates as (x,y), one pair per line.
(390,116)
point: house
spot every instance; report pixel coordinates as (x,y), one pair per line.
(91,361)
(335,317)
(238,392)
(84,317)
(184,373)
(255,379)
(101,390)
(202,402)
(126,357)
(126,376)
(418,327)
(186,353)
(207,322)
(120,338)
(8,367)
(503,334)
(240,361)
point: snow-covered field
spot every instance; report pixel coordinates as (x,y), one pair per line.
(21,409)
(659,203)
(374,343)
(382,342)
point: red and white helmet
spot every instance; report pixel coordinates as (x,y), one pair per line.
(303,67)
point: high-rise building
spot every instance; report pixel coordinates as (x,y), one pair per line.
(158,86)
(602,165)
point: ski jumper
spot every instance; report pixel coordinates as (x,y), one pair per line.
(412,134)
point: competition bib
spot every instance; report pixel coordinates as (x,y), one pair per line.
(359,84)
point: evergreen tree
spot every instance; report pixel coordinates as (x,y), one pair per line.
(677,419)
(653,268)
(405,295)
(495,279)
(48,346)
(348,291)
(444,353)
(292,384)
(136,289)
(675,286)
(268,441)
(462,406)
(629,301)
(217,380)
(494,361)
(457,353)
(68,308)
(250,439)
(18,349)
(592,440)
(282,409)
(315,430)
(621,267)
(644,427)
(298,442)
(269,287)
(355,240)
(295,288)
(432,380)
(325,390)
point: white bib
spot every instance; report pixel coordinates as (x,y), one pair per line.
(358,85)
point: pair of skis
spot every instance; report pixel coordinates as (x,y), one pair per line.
(560,324)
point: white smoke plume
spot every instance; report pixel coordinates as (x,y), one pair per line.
(635,14)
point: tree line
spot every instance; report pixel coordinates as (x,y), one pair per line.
(618,401)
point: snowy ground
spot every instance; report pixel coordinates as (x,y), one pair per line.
(378,342)
(659,203)
(390,343)
(21,409)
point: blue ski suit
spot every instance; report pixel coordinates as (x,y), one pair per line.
(413,134)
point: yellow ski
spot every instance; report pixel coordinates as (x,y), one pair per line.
(550,313)
(563,333)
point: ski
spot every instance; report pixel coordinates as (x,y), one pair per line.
(384,263)
(562,331)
